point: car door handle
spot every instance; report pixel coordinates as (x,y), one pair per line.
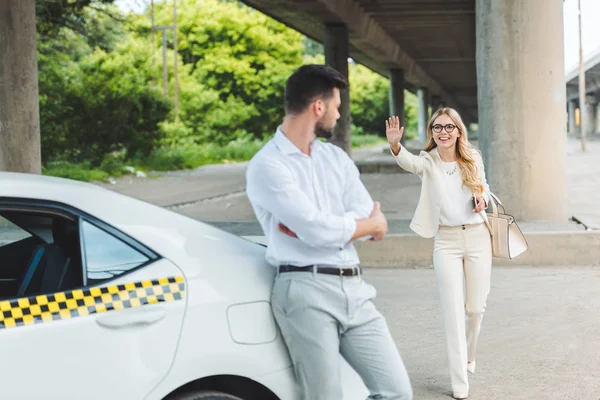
(131,318)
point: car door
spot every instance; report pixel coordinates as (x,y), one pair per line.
(115,337)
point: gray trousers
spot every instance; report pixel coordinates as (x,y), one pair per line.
(321,316)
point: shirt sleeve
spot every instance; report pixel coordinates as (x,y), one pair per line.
(481,172)
(356,199)
(271,186)
(409,162)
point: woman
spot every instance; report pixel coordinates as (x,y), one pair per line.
(454,195)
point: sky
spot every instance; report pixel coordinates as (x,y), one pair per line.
(590,27)
(590,23)
(133,5)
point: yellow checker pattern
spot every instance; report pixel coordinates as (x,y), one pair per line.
(83,302)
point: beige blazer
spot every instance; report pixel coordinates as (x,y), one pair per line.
(428,166)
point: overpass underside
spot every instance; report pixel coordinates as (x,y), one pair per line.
(591,122)
(499,63)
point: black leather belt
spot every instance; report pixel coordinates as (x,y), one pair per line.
(321,270)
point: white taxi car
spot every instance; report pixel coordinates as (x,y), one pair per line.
(103,296)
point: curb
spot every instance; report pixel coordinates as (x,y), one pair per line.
(546,248)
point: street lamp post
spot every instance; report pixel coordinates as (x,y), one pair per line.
(582,110)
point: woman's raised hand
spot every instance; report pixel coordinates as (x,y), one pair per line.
(393,131)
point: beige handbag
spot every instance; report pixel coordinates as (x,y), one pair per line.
(507,239)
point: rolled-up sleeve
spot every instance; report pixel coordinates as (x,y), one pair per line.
(271,186)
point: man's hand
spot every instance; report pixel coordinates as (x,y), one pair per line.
(394,133)
(480,205)
(284,229)
(381,226)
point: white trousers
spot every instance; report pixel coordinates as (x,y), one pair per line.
(462,254)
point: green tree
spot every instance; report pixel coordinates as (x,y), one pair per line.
(369,99)
(53,15)
(93,102)
(410,115)
(239,54)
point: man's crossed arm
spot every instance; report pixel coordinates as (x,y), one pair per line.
(272,187)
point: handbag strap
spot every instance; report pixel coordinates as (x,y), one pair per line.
(496,204)
(493,196)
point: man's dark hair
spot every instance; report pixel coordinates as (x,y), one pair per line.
(310,82)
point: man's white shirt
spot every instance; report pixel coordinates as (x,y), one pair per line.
(319,197)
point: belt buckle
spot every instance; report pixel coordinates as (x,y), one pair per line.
(341,272)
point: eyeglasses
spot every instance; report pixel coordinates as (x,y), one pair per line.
(437,128)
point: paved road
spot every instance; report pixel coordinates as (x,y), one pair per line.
(539,338)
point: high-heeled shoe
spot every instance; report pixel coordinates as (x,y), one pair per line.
(471,367)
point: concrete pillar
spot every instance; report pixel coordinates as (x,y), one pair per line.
(422,113)
(590,115)
(397,97)
(19,101)
(521,95)
(336,56)
(597,119)
(571,114)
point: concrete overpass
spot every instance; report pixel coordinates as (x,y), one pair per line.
(427,47)
(500,63)
(592,95)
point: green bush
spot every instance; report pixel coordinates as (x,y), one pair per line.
(193,155)
(113,163)
(99,104)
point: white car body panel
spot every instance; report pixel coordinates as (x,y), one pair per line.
(68,358)
(193,341)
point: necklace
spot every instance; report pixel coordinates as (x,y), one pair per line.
(449,173)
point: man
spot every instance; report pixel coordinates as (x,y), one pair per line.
(311,204)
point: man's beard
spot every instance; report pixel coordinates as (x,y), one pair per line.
(322,132)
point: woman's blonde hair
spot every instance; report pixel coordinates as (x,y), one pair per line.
(465,152)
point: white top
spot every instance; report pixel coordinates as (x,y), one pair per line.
(319,197)
(457,204)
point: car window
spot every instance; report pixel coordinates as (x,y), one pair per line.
(107,256)
(10,233)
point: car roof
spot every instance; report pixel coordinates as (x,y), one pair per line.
(166,232)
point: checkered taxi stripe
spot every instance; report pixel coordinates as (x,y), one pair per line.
(80,303)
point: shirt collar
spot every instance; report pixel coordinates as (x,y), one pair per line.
(286,146)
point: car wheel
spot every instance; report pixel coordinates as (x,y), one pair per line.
(203,395)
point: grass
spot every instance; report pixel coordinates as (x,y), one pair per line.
(175,158)
(166,159)
(79,172)
(359,141)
